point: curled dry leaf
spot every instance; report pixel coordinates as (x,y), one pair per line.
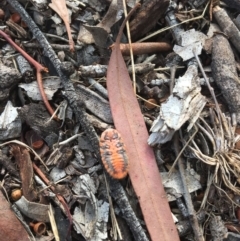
(59,6)
(24,163)
(38,67)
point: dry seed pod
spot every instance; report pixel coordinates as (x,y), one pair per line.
(37,144)
(16,194)
(150,103)
(34,140)
(1,14)
(113,154)
(15,17)
(39,228)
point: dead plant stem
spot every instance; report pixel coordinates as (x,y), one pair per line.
(60,198)
(209,86)
(180,153)
(39,69)
(187,197)
(130,47)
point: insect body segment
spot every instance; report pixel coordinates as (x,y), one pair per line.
(113,154)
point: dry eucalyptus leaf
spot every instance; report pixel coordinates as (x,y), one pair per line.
(90,218)
(59,6)
(143,170)
(99,34)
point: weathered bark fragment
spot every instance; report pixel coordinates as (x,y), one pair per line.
(36,116)
(95,103)
(224,73)
(7,163)
(147,17)
(184,226)
(9,78)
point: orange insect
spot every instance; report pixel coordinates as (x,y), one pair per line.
(113,154)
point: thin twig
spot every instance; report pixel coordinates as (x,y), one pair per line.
(180,153)
(138,96)
(53,223)
(39,69)
(60,198)
(187,197)
(208,84)
(70,139)
(169,68)
(131,50)
(173,73)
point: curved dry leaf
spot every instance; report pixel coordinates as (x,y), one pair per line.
(143,171)
(59,6)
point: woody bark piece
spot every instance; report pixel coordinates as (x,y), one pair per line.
(95,103)
(9,78)
(185,104)
(25,68)
(217,228)
(196,4)
(147,17)
(227,26)
(225,74)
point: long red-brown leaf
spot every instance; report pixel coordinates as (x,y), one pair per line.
(143,170)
